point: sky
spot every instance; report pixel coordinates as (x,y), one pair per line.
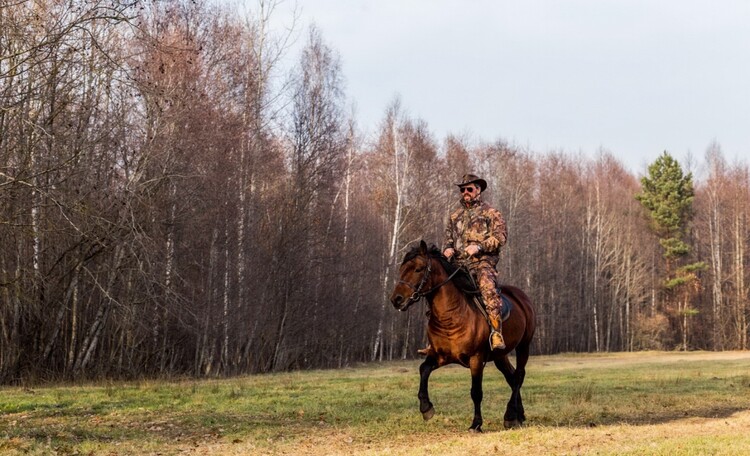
(634,77)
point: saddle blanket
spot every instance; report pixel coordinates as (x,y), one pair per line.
(504,312)
(507,304)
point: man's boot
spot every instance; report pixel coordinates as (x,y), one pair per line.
(496,333)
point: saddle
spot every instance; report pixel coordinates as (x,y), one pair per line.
(470,288)
(474,295)
(504,312)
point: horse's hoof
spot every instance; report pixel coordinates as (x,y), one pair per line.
(512,424)
(477,429)
(428,414)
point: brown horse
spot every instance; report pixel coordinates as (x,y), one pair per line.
(459,333)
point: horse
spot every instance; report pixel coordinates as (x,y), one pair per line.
(458,331)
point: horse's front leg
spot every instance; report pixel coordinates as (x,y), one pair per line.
(425,406)
(476,364)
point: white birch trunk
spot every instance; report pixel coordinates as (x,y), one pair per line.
(161,319)
(205,362)
(377,350)
(741,292)
(347,182)
(628,298)
(225,311)
(35,205)
(714,227)
(73,320)
(92,337)
(684,306)
(241,216)
(59,319)
(405,350)
(597,266)
(280,330)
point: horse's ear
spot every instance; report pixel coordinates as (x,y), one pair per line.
(423,247)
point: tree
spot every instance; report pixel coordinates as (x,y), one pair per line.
(721,232)
(667,195)
(316,157)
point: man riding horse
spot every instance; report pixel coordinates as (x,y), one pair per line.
(475,233)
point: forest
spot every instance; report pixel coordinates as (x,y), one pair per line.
(174,201)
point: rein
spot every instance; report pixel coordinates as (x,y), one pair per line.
(418,293)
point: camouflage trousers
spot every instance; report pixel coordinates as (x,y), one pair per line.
(486,278)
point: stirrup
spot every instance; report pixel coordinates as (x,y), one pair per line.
(500,345)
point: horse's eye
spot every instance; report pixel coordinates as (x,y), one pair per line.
(419,269)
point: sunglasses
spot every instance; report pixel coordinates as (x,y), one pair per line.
(467,189)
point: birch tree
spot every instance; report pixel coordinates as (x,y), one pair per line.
(317,156)
(715,213)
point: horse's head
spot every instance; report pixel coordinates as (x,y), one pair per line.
(414,277)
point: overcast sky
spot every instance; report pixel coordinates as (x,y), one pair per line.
(635,77)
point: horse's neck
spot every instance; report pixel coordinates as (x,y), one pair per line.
(448,301)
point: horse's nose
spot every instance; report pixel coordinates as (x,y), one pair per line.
(397,299)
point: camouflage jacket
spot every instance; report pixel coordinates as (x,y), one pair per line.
(477,223)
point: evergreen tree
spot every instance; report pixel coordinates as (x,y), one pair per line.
(667,194)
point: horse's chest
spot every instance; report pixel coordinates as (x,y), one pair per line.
(458,352)
(456,339)
(445,358)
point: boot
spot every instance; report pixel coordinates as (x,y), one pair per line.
(496,334)
(425,351)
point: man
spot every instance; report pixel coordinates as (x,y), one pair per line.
(475,233)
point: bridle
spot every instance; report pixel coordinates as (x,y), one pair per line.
(418,293)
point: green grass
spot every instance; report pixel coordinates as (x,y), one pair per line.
(590,400)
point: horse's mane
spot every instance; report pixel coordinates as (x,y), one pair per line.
(462,280)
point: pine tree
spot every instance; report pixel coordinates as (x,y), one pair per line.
(667,194)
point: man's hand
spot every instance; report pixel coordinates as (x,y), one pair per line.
(472,250)
(448,253)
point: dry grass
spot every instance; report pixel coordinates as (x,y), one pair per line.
(687,436)
(636,403)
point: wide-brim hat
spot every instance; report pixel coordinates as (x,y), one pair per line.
(473,179)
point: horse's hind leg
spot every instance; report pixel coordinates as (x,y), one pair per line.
(514,412)
(522,357)
(425,406)
(477,370)
(504,365)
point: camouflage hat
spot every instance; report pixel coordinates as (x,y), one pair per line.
(473,179)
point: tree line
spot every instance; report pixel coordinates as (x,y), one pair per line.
(174,202)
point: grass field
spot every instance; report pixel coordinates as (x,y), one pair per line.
(652,403)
